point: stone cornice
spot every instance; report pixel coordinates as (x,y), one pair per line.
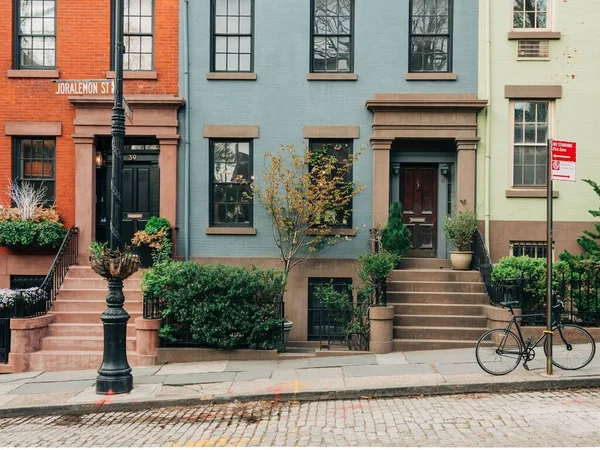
(133,100)
(392,102)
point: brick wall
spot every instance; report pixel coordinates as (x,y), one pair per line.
(83,52)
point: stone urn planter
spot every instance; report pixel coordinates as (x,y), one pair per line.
(461,260)
(114,264)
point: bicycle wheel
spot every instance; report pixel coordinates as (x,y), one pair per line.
(572,347)
(498,351)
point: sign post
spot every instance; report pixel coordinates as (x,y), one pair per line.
(562,166)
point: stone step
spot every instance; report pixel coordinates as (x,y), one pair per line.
(84,329)
(79,343)
(95,294)
(56,360)
(437,309)
(440,321)
(407,345)
(84,317)
(99,306)
(435,275)
(97,283)
(463,298)
(436,286)
(87,272)
(425,263)
(438,333)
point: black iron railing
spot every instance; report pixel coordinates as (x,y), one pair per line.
(38,301)
(4,335)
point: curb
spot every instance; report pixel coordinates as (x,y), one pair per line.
(353,394)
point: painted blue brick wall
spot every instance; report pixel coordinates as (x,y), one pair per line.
(281,101)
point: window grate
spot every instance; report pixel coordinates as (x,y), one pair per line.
(533,249)
(533,49)
(322,327)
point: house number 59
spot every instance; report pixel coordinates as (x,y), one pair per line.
(132,157)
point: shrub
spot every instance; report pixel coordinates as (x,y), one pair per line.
(395,236)
(50,234)
(156,224)
(222,306)
(17,233)
(375,267)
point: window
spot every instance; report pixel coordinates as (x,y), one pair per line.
(138,35)
(232,35)
(342,151)
(36,34)
(530,14)
(322,327)
(332,23)
(34,162)
(535,249)
(430,37)
(530,151)
(231,161)
(26,281)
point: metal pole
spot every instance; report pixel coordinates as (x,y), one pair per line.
(114,375)
(549,259)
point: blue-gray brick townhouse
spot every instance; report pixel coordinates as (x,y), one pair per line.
(398,77)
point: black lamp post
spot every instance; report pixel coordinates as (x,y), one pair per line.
(114,375)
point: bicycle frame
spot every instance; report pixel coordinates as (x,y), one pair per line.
(527,346)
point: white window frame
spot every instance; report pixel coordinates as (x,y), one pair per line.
(511,133)
(549,18)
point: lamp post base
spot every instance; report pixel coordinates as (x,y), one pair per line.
(114,375)
(112,385)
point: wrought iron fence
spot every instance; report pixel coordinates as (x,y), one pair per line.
(4,335)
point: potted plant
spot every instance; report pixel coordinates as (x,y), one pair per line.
(153,241)
(459,231)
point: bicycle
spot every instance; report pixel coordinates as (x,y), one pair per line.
(499,351)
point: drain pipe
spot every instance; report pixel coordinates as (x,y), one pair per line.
(488,123)
(188,130)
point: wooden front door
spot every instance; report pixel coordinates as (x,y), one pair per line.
(418,194)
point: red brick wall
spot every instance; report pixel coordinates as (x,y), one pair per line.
(83,52)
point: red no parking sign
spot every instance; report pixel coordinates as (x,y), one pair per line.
(564,161)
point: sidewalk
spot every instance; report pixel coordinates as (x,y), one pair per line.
(340,377)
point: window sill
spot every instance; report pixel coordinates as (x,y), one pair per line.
(334,232)
(418,76)
(231,231)
(528,193)
(134,75)
(231,76)
(332,77)
(514,35)
(29,73)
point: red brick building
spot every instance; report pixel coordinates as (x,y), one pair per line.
(48,41)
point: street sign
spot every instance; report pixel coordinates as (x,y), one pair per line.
(564,161)
(84,87)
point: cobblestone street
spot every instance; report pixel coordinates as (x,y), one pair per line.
(562,418)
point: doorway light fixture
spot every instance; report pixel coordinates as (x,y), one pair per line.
(445,170)
(100,160)
(396,168)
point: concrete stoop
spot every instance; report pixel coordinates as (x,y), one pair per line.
(436,307)
(76,337)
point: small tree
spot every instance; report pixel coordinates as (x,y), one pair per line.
(395,237)
(306,194)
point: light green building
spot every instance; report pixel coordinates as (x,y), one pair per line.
(539,65)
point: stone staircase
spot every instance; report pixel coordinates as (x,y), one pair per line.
(76,337)
(436,307)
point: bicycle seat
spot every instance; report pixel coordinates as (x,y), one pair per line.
(509,304)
